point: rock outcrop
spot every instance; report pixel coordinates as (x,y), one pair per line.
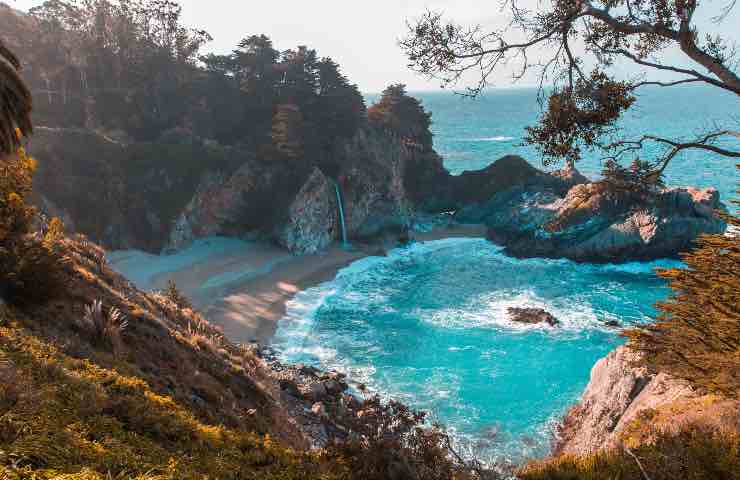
(312,217)
(558,215)
(616,395)
(111,190)
(380,179)
(532,316)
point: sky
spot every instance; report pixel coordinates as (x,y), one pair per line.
(361,36)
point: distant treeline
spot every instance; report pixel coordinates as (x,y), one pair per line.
(130,66)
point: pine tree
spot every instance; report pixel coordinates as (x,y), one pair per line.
(15,114)
(697,334)
(404,115)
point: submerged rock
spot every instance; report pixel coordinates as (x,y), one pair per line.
(532,316)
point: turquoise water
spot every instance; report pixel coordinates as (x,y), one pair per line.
(428,325)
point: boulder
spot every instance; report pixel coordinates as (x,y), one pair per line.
(317,391)
(334,387)
(532,316)
(290,387)
(371,173)
(319,409)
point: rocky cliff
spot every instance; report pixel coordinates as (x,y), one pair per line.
(122,194)
(563,215)
(115,192)
(625,404)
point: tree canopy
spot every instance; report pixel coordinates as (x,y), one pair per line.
(587,94)
(132,66)
(15,103)
(402,114)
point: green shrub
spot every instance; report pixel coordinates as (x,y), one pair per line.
(391,441)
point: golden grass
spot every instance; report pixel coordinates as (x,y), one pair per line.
(69,418)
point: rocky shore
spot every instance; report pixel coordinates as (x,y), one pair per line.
(624,404)
(563,215)
(386,187)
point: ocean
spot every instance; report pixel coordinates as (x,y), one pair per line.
(428,324)
(471,133)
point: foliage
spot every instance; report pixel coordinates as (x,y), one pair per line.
(640,178)
(389,440)
(105,327)
(68,418)
(556,42)
(694,452)
(578,116)
(15,98)
(287,131)
(30,265)
(131,66)
(120,64)
(174,294)
(697,334)
(403,115)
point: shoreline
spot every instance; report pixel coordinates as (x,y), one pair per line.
(251,310)
(245,290)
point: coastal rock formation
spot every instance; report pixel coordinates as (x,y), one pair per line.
(532,316)
(558,216)
(201,189)
(616,395)
(378,188)
(311,224)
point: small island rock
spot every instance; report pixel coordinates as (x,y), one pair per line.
(532,316)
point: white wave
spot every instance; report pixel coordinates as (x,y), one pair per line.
(491,311)
(499,138)
(641,267)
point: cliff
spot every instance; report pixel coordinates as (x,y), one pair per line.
(564,215)
(626,405)
(163,195)
(114,191)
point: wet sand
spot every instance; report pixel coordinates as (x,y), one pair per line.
(246,292)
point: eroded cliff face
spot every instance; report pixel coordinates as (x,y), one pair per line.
(381,180)
(117,194)
(563,215)
(620,395)
(312,216)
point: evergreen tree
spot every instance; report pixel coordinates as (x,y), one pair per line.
(288,131)
(340,105)
(403,115)
(697,335)
(15,114)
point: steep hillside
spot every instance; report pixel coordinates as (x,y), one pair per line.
(102,380)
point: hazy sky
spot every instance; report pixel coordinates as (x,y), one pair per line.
(361,36)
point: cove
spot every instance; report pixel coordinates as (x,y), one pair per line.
(428,325)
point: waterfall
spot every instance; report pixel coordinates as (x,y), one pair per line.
(341,214)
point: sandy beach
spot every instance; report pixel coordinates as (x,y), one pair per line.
(244,287)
